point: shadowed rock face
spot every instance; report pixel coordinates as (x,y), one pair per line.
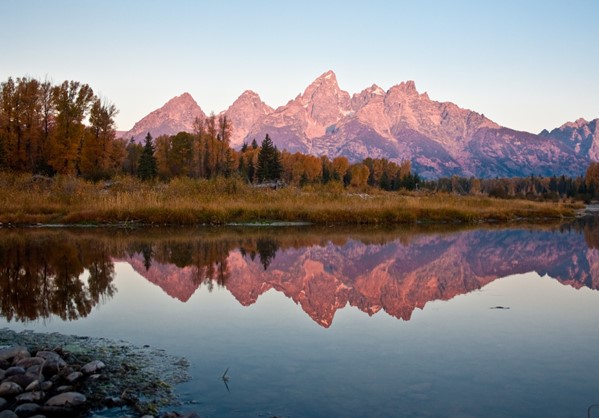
(395,277)
(439,138)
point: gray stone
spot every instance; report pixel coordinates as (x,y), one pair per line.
(8,414)
(73,377)
(53,365)
(22,380)
(67,399)
(3,403)
(33,386)
(27,410)
(36,369)
(46,386)
(12,371)
(8,389)
(93,367)
(2,374)
(17,352)
(64,388)
(28,362)
(191,415)
(36,396)
(48,355)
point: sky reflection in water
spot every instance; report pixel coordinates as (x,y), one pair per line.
(307,320)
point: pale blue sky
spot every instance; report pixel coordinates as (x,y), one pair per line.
(527,65)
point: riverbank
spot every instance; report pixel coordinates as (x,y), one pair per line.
(62,375)
(30,200)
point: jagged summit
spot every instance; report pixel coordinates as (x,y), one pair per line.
(439,138)
(176,115)
(244,113)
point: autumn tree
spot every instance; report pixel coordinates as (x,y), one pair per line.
(72,100)
(97,148)
(591,177)
(359,174)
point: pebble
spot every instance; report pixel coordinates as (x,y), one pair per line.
(36,396)
(67,399)
(93,367)
(48,381)
(18,352)
(9,389)
(27,409)
(73,377)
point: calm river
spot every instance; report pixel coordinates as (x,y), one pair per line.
(332,322)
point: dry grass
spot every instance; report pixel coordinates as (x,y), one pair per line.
(66,200)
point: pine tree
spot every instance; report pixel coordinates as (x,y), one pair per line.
(147,169)
(269,162)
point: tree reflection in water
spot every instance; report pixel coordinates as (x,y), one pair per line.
(66,273)
(43,275)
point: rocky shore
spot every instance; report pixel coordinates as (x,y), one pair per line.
(55,375)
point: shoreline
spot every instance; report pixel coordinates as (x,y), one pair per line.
(132,380)
(129,202)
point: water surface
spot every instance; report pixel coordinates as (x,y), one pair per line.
(331,322)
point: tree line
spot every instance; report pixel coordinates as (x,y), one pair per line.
(57,129)
(67,129)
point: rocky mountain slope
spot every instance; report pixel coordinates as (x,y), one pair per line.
(439,138)
(581,136)
(178,114)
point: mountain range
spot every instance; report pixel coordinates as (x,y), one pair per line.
(439,138)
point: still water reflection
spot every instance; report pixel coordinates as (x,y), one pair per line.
(230,298)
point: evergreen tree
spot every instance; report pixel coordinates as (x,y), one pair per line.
(269,162)
(146,168)
(254,144)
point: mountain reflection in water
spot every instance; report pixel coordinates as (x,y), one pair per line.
(66,273)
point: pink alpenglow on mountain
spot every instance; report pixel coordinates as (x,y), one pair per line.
(178,114)
(439,138)
(245,112)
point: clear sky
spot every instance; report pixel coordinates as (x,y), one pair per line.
(525,64)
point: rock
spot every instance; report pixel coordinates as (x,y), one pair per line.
(46,386)
(36,396)
(48,355)
(3,403)
(27,410)
(191,415)
(52,366)
(9,389)
(64,388)
(2,374)
(22,380)
(8,414)
(93,367)
(17,352)
(67,399)
(33,386)
(12,371)
(35,369)
(73,377)
(28,362)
